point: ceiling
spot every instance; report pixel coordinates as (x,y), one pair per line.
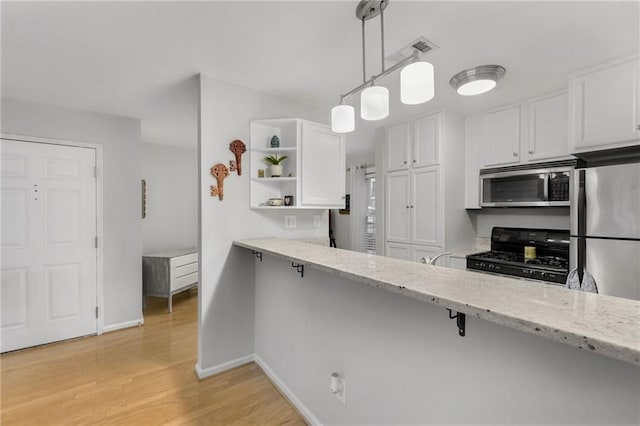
(139,59)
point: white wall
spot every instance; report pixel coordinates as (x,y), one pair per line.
(171,174)
(120,138)
(226,297)
(552,218)
(404,362)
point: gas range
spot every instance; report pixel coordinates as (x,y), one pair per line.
(507,256)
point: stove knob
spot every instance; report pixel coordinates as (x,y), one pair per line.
(482,265)
(543,274)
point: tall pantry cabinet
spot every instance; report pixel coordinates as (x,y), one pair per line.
(422,163)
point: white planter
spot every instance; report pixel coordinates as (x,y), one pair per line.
(276,171)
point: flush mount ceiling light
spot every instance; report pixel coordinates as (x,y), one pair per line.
(416,78)
(477,80)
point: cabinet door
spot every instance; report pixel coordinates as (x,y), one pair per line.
(604,108)
(426,139)
(426,206)
(502,137)
(397,206)
(322,180)
(418,253)
(547,136)
(397,147)
(398,251)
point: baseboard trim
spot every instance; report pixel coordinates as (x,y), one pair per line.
(284,390)
(203,373)
(121,325)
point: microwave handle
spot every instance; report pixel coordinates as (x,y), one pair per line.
(546,186)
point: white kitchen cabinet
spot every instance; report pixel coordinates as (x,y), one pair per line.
(398,251)
(313,172)
(605,106)
(502,137)
(397,206)
(547,128)
(398,147)
(425,208)
(322,155)
(412,252)
(426,141)
(413,143)
(413,207)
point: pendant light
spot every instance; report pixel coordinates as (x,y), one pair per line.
(416,79)
(477,80)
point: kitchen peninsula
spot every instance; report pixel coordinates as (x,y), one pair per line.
(601,324)
(364,316)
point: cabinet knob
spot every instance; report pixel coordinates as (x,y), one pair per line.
(530,151)
(407,207)
(515,154)
(411,206)
(404,162)
(638,127)
(414,161)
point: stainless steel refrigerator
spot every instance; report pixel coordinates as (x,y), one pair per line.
(605,221)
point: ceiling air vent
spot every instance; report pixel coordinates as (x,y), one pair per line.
(421,44)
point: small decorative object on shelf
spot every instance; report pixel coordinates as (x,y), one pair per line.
(275,201)
(275,141)
(288,200)
(260,173)
(275,167)
(238,148)
(219,172)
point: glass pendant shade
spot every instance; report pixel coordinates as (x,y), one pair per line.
(476,87)
(343,119)
(417,83)
(374,103)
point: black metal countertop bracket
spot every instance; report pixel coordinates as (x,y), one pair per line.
(299,267)
(258,254)
(460,321)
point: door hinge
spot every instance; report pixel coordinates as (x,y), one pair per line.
(96,241)
(96,312)
(95,171)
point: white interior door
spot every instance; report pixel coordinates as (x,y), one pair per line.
(49,264)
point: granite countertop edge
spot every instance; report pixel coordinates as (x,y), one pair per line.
(598,341)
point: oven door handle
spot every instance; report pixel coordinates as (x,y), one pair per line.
(546,186)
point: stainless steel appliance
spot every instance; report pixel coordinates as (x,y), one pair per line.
(507,255)
(533,185)
(605,221)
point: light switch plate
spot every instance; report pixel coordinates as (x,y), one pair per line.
(289,222)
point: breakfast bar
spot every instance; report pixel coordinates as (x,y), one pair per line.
(600,324)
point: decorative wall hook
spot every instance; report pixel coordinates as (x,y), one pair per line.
(238,148)
(219,172)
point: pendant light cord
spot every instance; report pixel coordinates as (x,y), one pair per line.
(382,32)
(364,67)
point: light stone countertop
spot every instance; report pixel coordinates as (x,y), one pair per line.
(605,325)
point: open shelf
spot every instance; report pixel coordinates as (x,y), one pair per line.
(285,149)
(274,179)
(273,207)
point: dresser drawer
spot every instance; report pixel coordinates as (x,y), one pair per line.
(184,260)
(184,281)
(181,271)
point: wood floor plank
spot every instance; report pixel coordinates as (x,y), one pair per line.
(138,376)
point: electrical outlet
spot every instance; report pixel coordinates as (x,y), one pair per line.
(316,221)
(338,388)
(289,222)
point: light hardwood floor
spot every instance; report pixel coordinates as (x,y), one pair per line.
(138,376)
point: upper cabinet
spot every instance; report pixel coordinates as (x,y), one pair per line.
(413,144)
(547,128)
(322,171)
(313,173)
(502,137)
(604,106)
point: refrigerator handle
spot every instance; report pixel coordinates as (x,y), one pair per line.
(582,224)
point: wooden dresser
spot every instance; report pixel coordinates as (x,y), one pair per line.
(167,273)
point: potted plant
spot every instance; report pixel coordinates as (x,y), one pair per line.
(275,167)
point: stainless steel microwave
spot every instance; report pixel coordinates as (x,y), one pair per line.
(538,185)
